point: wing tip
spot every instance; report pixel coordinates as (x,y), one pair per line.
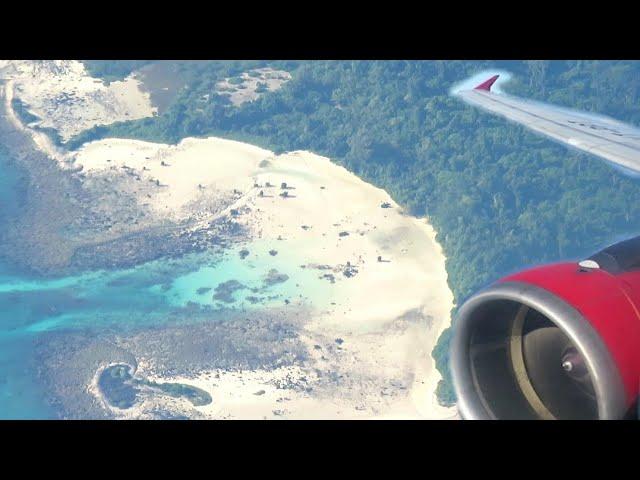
(487,84)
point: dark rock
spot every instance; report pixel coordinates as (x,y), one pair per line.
(225,291)
(330,277)
(274,277)
(350,271)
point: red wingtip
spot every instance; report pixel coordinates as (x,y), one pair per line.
(486,85)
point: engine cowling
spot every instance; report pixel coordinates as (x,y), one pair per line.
(559,341)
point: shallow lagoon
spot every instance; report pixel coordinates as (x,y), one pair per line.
(150,295)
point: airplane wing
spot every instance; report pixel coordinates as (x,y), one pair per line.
(601,136)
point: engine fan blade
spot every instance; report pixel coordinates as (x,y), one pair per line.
(546,352)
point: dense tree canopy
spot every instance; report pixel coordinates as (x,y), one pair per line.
(500,197)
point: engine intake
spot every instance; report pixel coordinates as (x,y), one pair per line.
(559,341)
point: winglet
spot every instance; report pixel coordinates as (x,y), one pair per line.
(486,85)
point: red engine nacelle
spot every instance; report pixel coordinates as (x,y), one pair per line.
(560,341)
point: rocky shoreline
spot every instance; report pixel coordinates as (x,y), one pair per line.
(231,341)
(72,222)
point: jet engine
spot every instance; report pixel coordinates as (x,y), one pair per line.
(560,341)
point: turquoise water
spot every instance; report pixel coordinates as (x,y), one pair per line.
(20,395)
(153,294)
(253,273)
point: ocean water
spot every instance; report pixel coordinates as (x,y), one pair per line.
(153,294)
(20,394)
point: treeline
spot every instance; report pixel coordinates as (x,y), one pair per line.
(110,71)
(500,197)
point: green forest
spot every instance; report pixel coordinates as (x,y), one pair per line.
(500,197)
